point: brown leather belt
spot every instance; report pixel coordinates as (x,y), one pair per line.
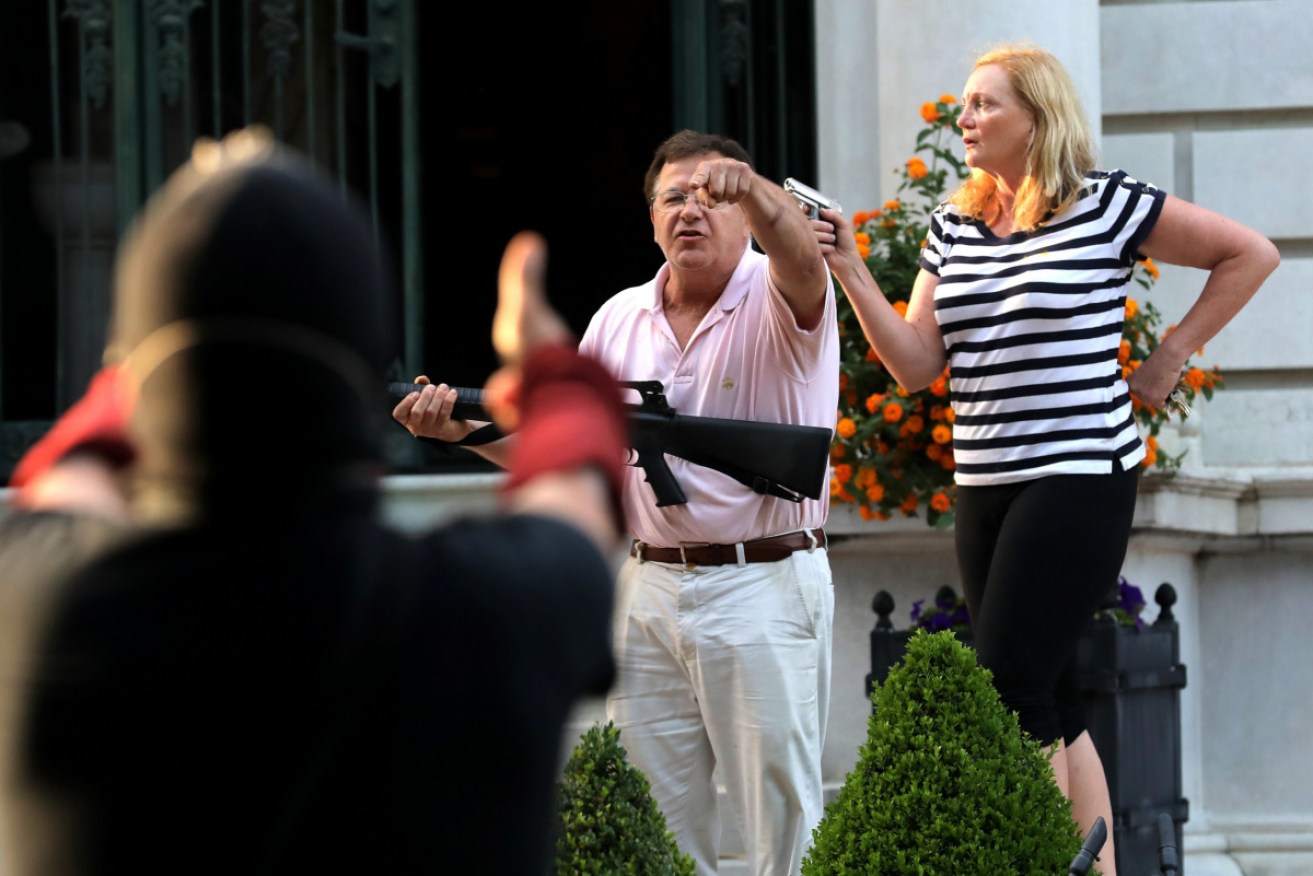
(759,550)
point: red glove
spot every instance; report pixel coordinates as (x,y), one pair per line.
(96,423)
(570,415)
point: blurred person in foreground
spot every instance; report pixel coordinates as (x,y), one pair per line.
(257,676)
(1022,292)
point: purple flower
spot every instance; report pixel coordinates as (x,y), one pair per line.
(1130,599)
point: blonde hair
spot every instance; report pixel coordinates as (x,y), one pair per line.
(1060,153)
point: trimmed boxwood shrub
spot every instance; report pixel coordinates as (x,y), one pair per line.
(946,782)
(608,821)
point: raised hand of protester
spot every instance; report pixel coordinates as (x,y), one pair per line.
(567,456)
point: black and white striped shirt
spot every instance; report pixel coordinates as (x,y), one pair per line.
(1032,323)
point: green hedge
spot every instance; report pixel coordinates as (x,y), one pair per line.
(945,783)
(608,821)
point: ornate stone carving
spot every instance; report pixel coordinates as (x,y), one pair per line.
(96,60)
(278,34)
(170,20)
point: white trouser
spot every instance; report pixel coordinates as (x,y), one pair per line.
(728,665)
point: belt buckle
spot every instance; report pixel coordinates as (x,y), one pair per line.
(690,544)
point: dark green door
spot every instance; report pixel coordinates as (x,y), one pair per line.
(457,124)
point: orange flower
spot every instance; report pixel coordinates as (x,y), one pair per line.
(874,493)
(941,434)
(866,478)
(929,112)
(950,415)
(1132,308)
(843,473)
(909,504)
(901,307)
(936,412)
(863,244)
(940,502)
(916,168)
(843,381)
(867,514)
(914,424)
(895,204)
(860,218)
(900,392)
(851,399)
(947,463)
(1150,267)
(1194,378)
(838,492)
(873,401)
(1124,352)
(846,428)
(871,355)
(893,412)
(947,98)
(837,451)
(939,386)
(1151,451)
(934,451)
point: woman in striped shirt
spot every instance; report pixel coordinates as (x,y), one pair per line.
(1022,292)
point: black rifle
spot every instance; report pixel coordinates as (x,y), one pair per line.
(775,459)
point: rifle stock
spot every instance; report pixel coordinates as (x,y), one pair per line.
(777,459)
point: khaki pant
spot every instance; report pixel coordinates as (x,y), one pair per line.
(730,666)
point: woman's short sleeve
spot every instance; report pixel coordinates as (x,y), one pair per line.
(932,254)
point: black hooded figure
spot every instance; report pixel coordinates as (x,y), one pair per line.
(264,678)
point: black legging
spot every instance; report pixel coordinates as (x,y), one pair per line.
(1037,558)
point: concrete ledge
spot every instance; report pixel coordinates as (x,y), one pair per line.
(415,502)
(1251,853)
(1208,502)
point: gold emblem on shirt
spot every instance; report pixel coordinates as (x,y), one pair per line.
(727,383)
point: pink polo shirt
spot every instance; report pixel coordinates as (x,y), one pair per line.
(747,360)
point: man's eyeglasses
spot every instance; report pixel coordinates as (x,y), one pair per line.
(673,201)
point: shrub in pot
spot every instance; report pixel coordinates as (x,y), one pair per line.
(607,820)
(946,783)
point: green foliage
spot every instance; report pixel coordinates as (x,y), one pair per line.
(945,783)
(609,822)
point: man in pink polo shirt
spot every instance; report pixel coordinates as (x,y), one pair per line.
(725,605)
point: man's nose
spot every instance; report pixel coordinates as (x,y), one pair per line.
(692,203)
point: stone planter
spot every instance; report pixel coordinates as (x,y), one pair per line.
(1131,680)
